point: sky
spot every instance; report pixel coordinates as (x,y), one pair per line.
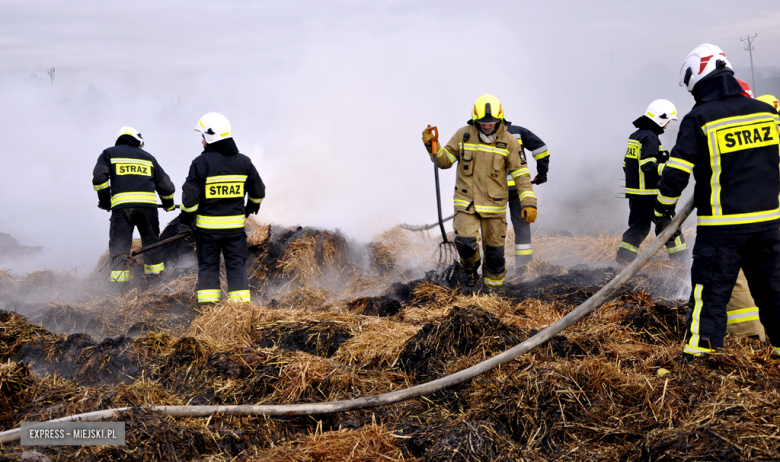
(329,100)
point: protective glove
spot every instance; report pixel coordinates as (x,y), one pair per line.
(539,179)
(663,157)
(104,199)
(251,208)
(104,206)
(185,222)
(662,215)
(427,137)
(168,205)
(528,214)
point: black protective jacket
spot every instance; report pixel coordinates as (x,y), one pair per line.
(535,145)
(730,144)
(644,160)
(127,176)
(214,192)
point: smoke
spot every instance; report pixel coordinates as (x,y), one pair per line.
(329,101)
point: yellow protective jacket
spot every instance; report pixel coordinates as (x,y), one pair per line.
(480,185)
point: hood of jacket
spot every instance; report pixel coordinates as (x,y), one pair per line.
(225,147)
(646,123)
(127,140)
(716,86)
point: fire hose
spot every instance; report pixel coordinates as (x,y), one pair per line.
(416,391)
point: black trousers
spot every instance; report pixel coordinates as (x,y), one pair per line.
(523,248)
(716,263)
(233,247)
(123,221)
(640,219)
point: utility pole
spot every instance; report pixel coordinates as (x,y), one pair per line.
(749,48)
(51,76)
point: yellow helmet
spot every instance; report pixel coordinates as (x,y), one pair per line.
(487,110)
(770,100)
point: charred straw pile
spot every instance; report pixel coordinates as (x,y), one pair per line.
(332,322)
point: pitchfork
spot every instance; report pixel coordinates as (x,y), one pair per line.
(446,253)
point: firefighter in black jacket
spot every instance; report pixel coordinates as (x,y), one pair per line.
(125,179)
(213,196)
(645,160)
(540,153)
(730,144)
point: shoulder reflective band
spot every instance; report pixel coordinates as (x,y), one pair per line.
(138,197)
(494,282)
(742,315)
(189,209)
(446,151)
(209,295)
(523,249)
(120,276)
(739,219)
(627,246)
(154,269)
(98,187)
(683,165)
(256,201)
(520,171)
(485,148)
(239,296)
(527,194)
(227,222)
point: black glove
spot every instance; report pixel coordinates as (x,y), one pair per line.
(104,206)
(104,199)
(185,222)
(662,215)
(539,179)
(663,157)
(168,205)
(251,208)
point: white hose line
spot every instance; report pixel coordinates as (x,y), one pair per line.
(419,390)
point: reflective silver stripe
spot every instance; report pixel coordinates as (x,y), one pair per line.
(739,219)
(696,351)
(256,201)
(519,172)
(154,269)
(494,282)
(484,148)
(643,192)
(683,165)
(449,156)
(224,222)
(666,200)
(523,249)
(627,246)
(120,275)
(649,159)
(693,342)
(119,160)
(489,209)
(98,187)
(239,296)
(225,178)
(777,350)
(167,197)
(209,295)
(526,194)
(189,209)
(539,151)
(743,315)
(523,246)
(133,197)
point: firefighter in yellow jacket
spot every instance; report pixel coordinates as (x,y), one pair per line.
(485,153)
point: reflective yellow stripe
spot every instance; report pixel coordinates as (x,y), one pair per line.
(524,252)
(98,187)
(627,246)
(154,269)
(133,197)
(189,209)
(693,343)
(494,282)
(520,172)
(490,209)
(649,159)
(680,164)
(256,201)
(239,296)
(167,197)
(643,192)
(118,160)
(667,200)
(542,155)
(510,183)
(739,218)
(484,148)
(120,276)
(449,156)
(526,194)
(777,350)
(743,315)
(679,246)
(661,168)
(225,178)
(209,295)
(226,222)
(462,203)
(696,351)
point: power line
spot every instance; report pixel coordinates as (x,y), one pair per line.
(749,48)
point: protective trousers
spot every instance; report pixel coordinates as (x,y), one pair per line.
(523,249)
(640,218)
(467,229)
(717,259)
(233,247)
(742,312)
(120,240)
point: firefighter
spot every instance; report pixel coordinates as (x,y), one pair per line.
(125,179)
(485,153)
(540,153)
(213,198)
(730,144)
(645,160)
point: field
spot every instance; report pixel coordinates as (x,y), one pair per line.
(332,319)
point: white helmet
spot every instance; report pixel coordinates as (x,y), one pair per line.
(703,60)
(132,132)
(214,127)
(661,111)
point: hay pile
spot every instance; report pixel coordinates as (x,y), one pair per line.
(332,321)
